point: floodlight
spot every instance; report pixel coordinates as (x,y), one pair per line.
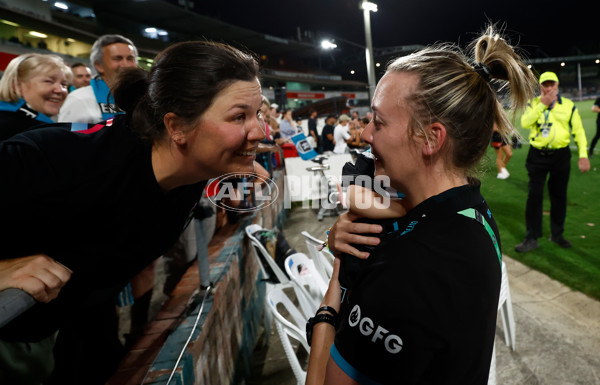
(38,34)
(368,6)
(326,44)
(61,5)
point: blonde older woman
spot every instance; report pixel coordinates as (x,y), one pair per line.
(32,91)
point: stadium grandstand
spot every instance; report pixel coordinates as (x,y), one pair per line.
(296,71)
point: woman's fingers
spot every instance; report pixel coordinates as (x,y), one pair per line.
(343,248)
(51,274)
(344,233)
(349,219)
(60,271)
(38,275)
(365,228)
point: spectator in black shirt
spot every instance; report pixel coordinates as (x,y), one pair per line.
(312,130)
(327,133)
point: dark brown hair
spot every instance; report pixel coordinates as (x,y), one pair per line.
(184,79)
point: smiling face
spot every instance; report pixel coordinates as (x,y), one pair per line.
(45,92)
(81,76)
(114,57)
(265,110)
(226,136)
(397,153)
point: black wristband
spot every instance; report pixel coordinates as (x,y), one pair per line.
(323,317)
(333,312)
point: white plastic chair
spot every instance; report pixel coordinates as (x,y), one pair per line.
(492,375)
(506,310)
(264,258)
(323,260)
(289,328)
(305,276)
(508,321)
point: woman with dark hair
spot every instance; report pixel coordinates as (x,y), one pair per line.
(422,308)
(100,204)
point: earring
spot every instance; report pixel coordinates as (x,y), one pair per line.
(177,139)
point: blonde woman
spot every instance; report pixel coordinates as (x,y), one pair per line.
(423,306)
(32,91)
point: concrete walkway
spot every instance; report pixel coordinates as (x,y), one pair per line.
(557,329)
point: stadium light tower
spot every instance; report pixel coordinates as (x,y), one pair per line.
(368,7)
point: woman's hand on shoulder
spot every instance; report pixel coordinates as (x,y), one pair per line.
(346,232)
(38,275)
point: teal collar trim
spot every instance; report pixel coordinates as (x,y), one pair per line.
(476,215)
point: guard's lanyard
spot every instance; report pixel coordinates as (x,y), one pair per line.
(476,215)
(545,129)
(547,112)
(546,115)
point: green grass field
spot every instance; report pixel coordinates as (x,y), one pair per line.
(577,267)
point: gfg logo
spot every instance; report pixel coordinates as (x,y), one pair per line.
(242,192)
(367,327)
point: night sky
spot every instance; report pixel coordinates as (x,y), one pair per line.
(539,28)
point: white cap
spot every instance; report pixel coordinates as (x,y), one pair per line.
(274,105)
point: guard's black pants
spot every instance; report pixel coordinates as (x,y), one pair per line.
(595,139)
(539,164)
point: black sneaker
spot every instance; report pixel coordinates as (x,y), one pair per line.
(528,244)
(561,241)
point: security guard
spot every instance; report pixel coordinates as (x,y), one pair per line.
(551,120)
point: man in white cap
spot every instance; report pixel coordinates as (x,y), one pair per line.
(341,135)
(275,114)
(551,119)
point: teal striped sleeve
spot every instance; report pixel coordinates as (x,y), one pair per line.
(349,369)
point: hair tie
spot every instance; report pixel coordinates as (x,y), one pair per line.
(483,71)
